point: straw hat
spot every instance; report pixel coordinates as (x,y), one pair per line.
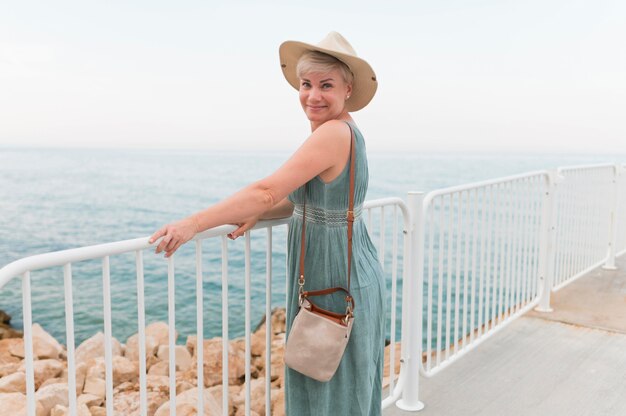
(364,84)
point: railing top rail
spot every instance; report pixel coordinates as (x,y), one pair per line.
(587,166)
(62,257)
(59,258)
(452,189)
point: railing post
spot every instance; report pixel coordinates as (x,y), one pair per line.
(610,259)
(547,248)
(410,394)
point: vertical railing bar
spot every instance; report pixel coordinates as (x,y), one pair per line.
(526,232)
(225,340)
(69,326)
(516,227)
(503,226)
(394,278)
(488,273)
(108,349)
(440,278)
(28,344)
(581,232)
(199,328)
(429,321)
(268,322)
(574,204)
(466,235)
(473,274)
(457,273)
(571,216)
(481,274)
(498,235)
(381,252)
(247,359)
(509,252)
(449,276)
(538,206)
(171,314)
(141,325)
(560,239)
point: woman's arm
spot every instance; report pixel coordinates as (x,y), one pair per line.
(281,210)
(328,146)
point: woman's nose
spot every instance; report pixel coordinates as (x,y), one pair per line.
(315,94)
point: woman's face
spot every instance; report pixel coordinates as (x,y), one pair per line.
(323,96)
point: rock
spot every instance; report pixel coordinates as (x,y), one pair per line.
(186,404)
(94,348)
(14,404)
(132,347)
(60,410)
(278,402)
(52,395)
(55,380)
(10,367)
(128,403)
(257,342)
(95,386)
(44,369)
(12,348)
(257,395)
(183,357)
(98,411)
(213,363)
(162,368)
(6,332)
(13,383)
(5,318)
(233,393)
(90,400)
(44,344)
(160,332)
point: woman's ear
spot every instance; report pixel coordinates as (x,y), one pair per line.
(348,91)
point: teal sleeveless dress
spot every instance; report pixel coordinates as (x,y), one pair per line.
(356,387)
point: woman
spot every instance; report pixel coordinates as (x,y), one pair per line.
(331,81)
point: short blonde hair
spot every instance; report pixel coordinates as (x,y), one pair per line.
(319,62)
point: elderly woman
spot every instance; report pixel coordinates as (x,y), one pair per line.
(332,81)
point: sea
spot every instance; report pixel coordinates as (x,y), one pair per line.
(58,198)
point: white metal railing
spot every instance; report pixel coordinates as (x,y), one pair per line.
(485,253)
(481,258)
(584,201)
(475,257)
(377,214)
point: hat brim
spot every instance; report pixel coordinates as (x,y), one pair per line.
(364,84)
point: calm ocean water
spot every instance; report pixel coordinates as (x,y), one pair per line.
(54,199)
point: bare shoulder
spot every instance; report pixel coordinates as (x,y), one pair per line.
(333,133)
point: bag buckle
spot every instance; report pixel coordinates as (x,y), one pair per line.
(350,216)
(301,289)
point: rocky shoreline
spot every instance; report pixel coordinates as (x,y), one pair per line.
(50,367)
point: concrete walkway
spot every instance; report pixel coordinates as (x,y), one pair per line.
(568,362)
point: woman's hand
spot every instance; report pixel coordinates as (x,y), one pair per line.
(175,234)
(243,227)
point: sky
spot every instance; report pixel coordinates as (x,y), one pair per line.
(544,76)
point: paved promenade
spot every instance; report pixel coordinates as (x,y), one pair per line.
(568,362)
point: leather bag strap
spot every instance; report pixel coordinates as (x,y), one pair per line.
(350,220)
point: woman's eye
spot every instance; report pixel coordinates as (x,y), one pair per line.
(327,85)
(305,84)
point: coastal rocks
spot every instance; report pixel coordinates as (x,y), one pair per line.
(14,404)
(13,383)
(6,331)
(51,374)
(94,348)
(186,404)
(51,395)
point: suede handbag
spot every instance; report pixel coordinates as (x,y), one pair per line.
(318,337)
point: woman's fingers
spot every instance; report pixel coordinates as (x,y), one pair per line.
(157,235)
